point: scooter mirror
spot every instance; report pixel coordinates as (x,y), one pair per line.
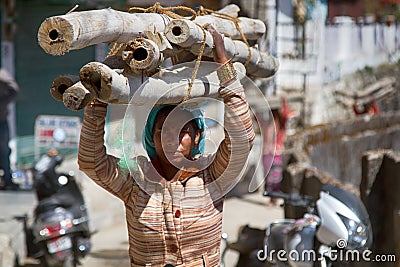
(62,180)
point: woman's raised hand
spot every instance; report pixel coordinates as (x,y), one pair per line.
(219,48)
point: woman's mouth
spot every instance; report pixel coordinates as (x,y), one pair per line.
(172,152)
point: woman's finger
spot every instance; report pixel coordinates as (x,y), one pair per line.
(219,47)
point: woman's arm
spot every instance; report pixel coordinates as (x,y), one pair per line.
(93,160)
(232,153)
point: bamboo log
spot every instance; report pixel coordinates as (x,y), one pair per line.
(378,90)
(261,64)
(167,86)
(373,89)
(142,55)
(58,35)
(68,89)
(105,83)
(77,97)
(378,95)
(61,84)
(170,86)
(187,34)
(231,10)
(251,28)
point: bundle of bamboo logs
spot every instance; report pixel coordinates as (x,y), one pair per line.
(142,42)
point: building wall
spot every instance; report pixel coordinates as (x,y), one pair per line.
(35,70)
(352,8)
(336,148)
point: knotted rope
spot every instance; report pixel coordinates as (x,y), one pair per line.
(197,65)
(169,11)
(205,11)
(157,8)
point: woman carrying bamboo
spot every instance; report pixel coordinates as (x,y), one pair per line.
(178,222)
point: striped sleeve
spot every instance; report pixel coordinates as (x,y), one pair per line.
(232,153)
(93,160)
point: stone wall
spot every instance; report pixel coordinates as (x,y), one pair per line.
(379,190)
(360,155)
(337,148)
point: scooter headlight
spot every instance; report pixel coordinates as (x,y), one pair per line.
(358,233)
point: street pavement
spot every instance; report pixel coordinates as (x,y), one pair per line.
(110,240)
(12,238)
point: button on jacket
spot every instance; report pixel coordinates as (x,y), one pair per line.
(174,222)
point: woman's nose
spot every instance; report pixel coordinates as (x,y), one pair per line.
(169,136)
(167,139)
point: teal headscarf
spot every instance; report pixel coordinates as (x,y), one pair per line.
(147,138)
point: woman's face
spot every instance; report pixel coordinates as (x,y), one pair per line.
(175,137)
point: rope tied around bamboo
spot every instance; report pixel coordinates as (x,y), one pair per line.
(58,35)
(159,9)
(126,49)
(197,65)
(205,11)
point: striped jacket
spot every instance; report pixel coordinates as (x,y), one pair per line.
(174,222)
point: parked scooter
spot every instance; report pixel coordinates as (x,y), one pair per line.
(335,228)
(59,234)
(250,241)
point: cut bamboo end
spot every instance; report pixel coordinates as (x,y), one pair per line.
(178,32)
(55,36)
(77,97)
(142,54)
(61,84)
(97,78)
